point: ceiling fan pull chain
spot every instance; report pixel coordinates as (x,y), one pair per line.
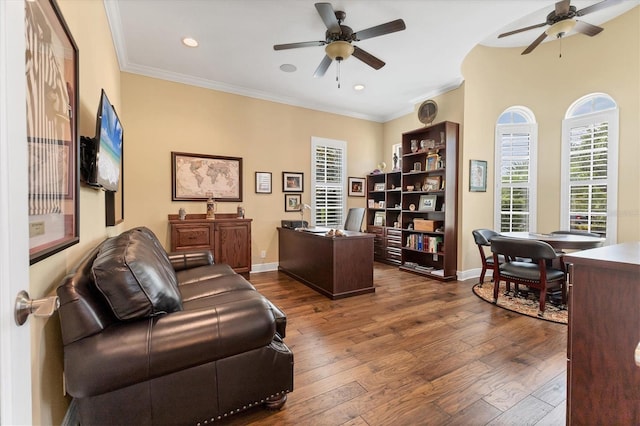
(338,73)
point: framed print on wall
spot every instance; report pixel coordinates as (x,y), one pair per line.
(51,69)
(292,182)
(477,176)
(292,202)
(356,187)
(263,182)
(194,177)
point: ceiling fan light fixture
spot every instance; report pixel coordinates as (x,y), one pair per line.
(560,28)
(339,50)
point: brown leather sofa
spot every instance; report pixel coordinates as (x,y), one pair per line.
(157,338)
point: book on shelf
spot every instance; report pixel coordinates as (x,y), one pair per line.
(423,242)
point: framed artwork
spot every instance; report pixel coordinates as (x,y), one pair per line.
(292,202)
(356,187)
(379,219)
(51,71)
(292,182)
(197,177)
(378,186)
(433,162)
(427,203)
(432,183)
(477,176)
(263,182)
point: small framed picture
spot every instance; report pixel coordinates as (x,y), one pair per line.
(433,162)
(381,204)
(292,182)
(371,203)
(263,182)
(292,202)
(379,219)
(417,166)
(432,183)
(477,176)
(378,186)
(356,187)
(427,203)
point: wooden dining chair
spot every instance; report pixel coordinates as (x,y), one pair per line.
(537,273)
(483,237)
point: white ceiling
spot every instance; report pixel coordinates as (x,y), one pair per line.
(237,36)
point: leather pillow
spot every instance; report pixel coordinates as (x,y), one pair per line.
(135,276)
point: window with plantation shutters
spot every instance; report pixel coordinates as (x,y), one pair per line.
(515,177)
(589,166)
(328,182)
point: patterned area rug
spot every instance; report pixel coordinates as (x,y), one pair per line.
(522,304)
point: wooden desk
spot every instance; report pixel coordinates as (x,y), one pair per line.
(559,241)
(336,267)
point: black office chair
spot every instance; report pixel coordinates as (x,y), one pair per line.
(483,237)
(536,274)
(354,219)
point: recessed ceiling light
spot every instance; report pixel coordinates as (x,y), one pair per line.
(358,87)
(288,68)
(190,42)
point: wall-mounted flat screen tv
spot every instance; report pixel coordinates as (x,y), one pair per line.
(109,137)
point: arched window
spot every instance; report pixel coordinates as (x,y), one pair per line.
(590,166)
(516,165)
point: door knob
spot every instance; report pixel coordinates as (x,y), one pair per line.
(26,306)
(637,355)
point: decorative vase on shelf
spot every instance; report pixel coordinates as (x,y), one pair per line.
(414,145)
(211,206)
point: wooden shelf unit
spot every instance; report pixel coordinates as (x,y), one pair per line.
(437,162)
(385,188)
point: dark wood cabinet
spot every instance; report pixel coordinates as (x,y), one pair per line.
(228,238)
(603,380)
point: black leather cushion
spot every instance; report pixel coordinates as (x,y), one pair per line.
(135,276)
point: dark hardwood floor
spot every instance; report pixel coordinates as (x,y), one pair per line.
(416,351)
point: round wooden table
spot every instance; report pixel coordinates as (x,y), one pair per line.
(560,241)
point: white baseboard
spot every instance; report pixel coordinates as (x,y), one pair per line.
(264,267)
(474,274)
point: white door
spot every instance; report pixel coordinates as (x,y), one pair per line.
(15,349)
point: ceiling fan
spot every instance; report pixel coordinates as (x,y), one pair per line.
(339,39)
(561,21)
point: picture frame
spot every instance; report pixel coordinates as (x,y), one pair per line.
(197,177)
(292,202)
(378,186)
(356,187)
(427,203)
(371,203)
(379,219)
(433,183)
(381,204)
(417,166)
(292,182)
(477,176)
(52,131)
(433,162)
(263,182)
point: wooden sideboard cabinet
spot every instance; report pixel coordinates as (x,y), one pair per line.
(603,380)
(227,236)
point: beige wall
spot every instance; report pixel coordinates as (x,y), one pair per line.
(161,117)
(498,78)
(98,69)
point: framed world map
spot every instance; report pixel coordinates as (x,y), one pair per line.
(197,177)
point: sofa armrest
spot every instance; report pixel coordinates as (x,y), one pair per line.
(190,259)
